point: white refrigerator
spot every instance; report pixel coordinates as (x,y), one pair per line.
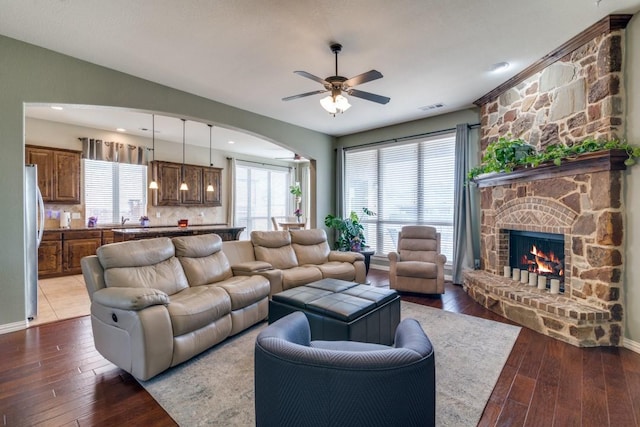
(34,227)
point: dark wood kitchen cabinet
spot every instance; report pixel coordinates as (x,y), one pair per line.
(50,254)
(212,176)
(75,246)
(197,178)
(58,173)
(194,195)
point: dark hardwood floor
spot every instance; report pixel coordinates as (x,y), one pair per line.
(52,375)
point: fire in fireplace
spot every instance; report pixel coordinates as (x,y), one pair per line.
(540,253)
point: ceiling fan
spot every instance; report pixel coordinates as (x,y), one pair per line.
(336,103)
(296,158)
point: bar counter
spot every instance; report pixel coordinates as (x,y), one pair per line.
(136,233)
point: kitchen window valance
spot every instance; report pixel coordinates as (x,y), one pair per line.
(109,151)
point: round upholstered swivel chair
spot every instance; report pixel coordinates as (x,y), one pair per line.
(299,382)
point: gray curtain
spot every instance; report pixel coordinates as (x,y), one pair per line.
(339,182)
(96,149)
(463,257)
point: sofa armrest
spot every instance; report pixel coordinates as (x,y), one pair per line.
(394,256)
(130,298)
(441,259)
(341,256)
(250,267)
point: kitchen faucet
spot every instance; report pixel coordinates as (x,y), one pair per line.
(124,220)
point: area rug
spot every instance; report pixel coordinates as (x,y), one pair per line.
(216,387)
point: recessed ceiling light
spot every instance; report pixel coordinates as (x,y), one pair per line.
(56,107)
(499,67)
(231,142)
(432,107)
(121,130)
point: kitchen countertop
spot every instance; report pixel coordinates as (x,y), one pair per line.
(115,227)
(172,229)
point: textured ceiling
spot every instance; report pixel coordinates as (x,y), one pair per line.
(243,53)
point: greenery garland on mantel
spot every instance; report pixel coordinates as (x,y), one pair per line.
(507,154)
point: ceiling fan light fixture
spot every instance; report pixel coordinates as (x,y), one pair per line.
(334,106)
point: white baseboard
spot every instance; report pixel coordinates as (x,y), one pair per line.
(631,345)
(379,267)
(12,327)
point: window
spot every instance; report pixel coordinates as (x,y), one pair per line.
(261,192)
(114,190)
(407,184)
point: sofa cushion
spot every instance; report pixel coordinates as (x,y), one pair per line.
(418,243)
(275,248)
(298,276)
(166,276)
(424,270)
(245,290)
(202,259)
(135,253)
(310,246)
(194,308)
(148,263)
(338,270)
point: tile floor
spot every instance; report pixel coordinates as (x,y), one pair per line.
(61,298)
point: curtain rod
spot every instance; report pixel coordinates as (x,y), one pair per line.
(404,138)
(259,163)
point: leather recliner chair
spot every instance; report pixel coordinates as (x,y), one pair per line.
(299,382)
(418,265)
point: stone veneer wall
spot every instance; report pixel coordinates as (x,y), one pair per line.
(577,97)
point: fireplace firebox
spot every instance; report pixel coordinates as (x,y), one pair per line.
(540,253)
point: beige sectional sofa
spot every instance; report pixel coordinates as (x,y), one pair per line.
(156,303)
(293,258)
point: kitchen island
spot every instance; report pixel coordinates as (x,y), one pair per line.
(136,233)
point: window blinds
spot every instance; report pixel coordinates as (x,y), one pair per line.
(114,190)
(261,192)
(405,184)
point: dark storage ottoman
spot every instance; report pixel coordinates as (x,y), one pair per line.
(340,310)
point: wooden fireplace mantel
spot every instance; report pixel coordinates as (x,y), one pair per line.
(607,160)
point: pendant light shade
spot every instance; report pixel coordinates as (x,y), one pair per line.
(210,186)
(153,185)
(183,186)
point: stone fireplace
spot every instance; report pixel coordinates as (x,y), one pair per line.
(574,93)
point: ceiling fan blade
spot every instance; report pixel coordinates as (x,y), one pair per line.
(368,96)
(312,77)
(363,78)
(302,95)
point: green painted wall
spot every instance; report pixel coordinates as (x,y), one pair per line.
(631,286)
(32,74)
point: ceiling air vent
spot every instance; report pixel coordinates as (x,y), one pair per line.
(432,107)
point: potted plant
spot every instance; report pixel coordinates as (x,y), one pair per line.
(350,231)
(505,154)
(296,191)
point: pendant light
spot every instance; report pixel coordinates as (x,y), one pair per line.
(153,185)
(183,186)
(210,186)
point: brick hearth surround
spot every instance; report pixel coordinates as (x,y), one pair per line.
(580,94)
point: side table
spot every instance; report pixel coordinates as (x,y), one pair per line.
(367,258)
